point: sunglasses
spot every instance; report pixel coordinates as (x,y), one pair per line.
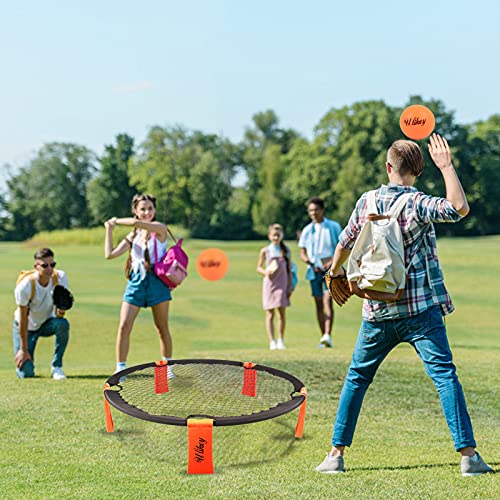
(45,266)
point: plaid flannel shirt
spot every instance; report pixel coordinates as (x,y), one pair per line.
(419,239)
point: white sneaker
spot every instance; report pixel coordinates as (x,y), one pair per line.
(331,465)
(326,340)
(473,466)
(280,344)
(272,345)
(170,373)
(57,373)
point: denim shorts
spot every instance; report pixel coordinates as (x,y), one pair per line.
(147,292)
(318,285)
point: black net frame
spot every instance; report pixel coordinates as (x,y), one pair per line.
(114,397)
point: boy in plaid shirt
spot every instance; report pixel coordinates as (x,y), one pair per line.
(417,318)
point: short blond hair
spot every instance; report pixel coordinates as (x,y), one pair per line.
(406,158)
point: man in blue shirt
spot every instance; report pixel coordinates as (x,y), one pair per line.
(317,245)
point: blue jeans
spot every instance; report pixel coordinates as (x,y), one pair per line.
(426,332)
(53,326)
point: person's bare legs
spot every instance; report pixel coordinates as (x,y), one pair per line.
(328,313)
(128,313)
(469,451)
(270,324)
(337,451)
(318,302)
(281,322)
(160,317)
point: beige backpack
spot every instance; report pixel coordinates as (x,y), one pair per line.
(377,260)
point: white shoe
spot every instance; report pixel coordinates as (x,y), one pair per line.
(331,465)
(326,340)
(170,373)
(280,344)
(57,373)
(272,345)
(473,466)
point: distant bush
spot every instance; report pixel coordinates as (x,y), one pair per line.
(90,236)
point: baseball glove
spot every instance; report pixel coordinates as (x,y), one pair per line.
(338,288)
(62,297)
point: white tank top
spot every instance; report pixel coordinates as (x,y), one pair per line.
(137,253)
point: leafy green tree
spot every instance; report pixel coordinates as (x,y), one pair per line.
(162,167)
(265,132)
(483,189)
(347,155)
(268,206)
(210,194)
(173,165)
(50,192)
(110,192)
(307,171)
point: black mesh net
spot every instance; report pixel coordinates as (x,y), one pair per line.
(210,390)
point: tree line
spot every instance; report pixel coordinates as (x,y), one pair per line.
(192,174)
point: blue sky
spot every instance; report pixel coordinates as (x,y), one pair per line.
(84,71)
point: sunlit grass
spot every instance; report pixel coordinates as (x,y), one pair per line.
(53,442)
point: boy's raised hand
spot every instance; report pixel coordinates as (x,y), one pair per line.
(439,151)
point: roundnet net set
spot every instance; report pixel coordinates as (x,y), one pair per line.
(202,393)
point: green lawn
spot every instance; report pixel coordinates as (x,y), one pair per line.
(53,442)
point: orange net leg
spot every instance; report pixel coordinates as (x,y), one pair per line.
(249,380)
(200,446)
(161,377)
(299,429)
(110,426)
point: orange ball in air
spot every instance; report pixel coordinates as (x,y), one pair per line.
(417,122)
(212,264)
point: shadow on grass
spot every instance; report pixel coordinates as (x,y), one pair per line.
(122,433)
(253,445)
(233,446)
(410,467)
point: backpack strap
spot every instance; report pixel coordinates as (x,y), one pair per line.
(153,235)
(371,202)
(170,233)
(33,287)
(398,206)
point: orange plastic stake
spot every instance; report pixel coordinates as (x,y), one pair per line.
(200,446)
(110,426)
(161,377)
(249,380)
(299,428)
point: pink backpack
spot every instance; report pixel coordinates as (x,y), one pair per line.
(172,267)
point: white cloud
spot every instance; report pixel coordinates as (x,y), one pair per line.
(132,88)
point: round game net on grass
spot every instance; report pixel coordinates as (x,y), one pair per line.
(224,391)
(202,393)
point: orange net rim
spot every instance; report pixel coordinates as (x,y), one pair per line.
(114,397)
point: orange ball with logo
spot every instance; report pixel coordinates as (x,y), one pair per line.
(212,264)
(417,122)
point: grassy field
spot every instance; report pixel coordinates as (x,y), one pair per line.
(53,442)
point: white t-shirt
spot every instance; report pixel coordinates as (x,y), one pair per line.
(41,307)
